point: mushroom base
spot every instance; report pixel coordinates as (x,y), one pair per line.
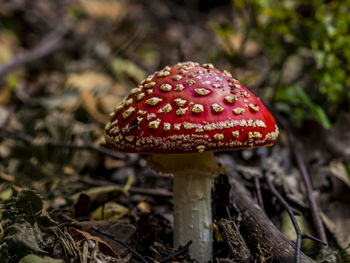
(193,178)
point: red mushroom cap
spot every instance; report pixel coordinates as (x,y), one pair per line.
(190,108)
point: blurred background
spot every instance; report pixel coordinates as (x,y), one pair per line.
(65,65)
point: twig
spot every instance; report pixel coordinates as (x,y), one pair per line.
(258,192)
(290,212)
(4,133)
(182,250)
(263,153)
(133,251)
(313,206)
(306,178)
(156,192)
(258,231)
(48,45)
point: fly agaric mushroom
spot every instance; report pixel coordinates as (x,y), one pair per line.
(180,115)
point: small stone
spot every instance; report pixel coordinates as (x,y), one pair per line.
(177,126)
(149,91)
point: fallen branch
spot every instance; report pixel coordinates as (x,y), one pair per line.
(239,251)
(48,45)
(259,232)
(4,133)
(258,192)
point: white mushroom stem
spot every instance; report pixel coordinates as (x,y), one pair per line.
(192,214)
(193,178)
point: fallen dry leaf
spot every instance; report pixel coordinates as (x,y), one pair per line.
(337,218)
(109,210)
(338,137)
(103,246)
(23,236)
(91,105)
(89,81)
(338,169)
(104,9)
(123,231)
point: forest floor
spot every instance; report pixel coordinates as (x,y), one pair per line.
(66,197)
